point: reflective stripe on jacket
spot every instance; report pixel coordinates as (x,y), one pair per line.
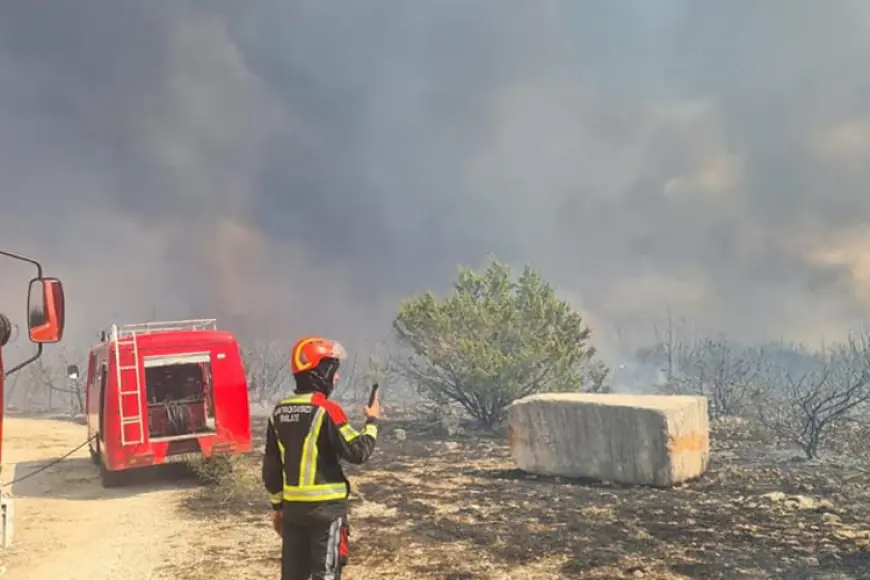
(307,436)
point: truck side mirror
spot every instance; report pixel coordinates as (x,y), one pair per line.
(72,372)
(45,310)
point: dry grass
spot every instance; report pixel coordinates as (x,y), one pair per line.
(457,509)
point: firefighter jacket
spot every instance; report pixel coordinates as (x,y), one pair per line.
(307,436)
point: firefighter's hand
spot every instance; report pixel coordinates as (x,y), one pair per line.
(278,522)
(374,411)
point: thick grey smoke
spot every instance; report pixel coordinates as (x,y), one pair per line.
(300,166)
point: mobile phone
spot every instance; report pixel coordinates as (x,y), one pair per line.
(373,393)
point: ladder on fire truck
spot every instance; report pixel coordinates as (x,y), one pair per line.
(127,334)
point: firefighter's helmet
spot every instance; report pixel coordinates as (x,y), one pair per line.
(309,352)
(315,360)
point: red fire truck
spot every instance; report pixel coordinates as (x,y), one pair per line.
(45,324)
(165,392)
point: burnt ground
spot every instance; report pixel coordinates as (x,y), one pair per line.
(456,508)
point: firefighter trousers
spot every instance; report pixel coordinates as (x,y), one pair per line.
(314,548)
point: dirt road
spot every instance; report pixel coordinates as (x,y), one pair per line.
(67,527)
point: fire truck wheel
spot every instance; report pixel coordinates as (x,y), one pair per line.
(109,478)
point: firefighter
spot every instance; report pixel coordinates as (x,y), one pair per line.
(307,436)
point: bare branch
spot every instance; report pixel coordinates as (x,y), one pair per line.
(807,405)
(266,368)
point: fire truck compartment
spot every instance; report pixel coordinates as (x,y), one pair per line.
(180,396)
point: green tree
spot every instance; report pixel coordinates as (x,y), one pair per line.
(496,339)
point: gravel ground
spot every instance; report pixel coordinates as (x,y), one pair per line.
(456,508)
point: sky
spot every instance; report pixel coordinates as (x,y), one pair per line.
(295,167)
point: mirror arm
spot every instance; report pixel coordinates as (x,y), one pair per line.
(19,366)
(21,258)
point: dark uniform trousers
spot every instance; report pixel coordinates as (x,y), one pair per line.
(315,543)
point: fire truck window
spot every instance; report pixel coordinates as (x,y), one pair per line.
(179,399)
(91,377)
(175,383)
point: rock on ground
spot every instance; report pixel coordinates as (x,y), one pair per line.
(657,440)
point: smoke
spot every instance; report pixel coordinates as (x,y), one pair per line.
(300,166)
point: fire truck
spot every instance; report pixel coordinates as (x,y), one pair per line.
(45,324)
(164,392)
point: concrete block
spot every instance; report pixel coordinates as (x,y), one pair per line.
(656,440)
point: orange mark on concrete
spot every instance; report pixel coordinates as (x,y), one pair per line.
(694,442)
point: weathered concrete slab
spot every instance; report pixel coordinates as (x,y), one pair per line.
(657,440)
